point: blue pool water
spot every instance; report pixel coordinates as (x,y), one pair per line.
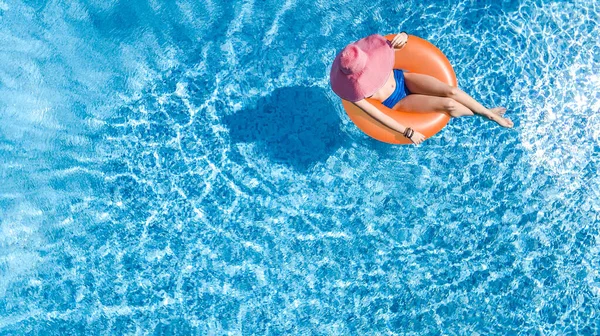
(182,167)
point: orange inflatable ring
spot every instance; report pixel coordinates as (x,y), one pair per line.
(417,56)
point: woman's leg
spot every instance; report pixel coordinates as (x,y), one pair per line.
(427,85)
(424,103)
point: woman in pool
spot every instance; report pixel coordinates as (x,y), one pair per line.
(364,69)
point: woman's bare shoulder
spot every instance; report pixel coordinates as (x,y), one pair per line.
(363,104)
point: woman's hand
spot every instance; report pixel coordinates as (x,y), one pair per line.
(417,138)
(399,40)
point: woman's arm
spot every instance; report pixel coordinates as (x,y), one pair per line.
(388,121)
(380,116)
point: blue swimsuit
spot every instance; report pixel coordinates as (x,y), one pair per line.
(400,92)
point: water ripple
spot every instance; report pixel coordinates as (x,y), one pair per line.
(184,168)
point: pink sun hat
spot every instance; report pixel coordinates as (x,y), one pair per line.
(362,68)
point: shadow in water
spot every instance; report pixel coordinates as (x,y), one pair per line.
(296,126)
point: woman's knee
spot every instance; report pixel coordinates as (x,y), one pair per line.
(454,108)
(448,105)
(451,91)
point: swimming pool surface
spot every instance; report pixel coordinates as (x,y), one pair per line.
(182,167)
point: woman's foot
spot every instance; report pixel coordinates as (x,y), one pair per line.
(498,110)
(497,116)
